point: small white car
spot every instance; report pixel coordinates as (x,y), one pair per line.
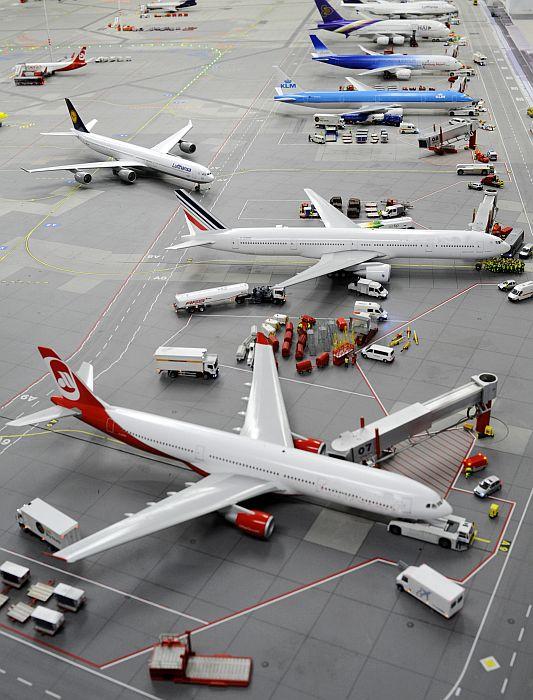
(526,252)
(506,285)
(381,353)
(488,486)
(475,186)
(458,120)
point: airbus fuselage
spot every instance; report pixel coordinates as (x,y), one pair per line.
(431,8)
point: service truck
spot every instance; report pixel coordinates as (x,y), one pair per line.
(237,293)
(186,362)
(322,120)
(453,532)
(432,588)
(474,169)
(480,59)
(521,292)
(372,308)
(48,523)
(369,288)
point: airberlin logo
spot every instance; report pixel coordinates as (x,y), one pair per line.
(64,379)
(82,55)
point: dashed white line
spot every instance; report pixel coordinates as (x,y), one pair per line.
(513,659)
(52,695)
(521,634)
(504,686)
(528,613)
(24,681)
(2,671)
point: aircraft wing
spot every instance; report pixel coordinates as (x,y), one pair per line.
(210,494)
(168,144)
(382,69)
(266,417)
(375,109)
(89,166)
(332,217)
(332,262)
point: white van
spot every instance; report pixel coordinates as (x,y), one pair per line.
(382,353)
(408,128)
(480,59)
(521,292)
(372,308)
(432,588)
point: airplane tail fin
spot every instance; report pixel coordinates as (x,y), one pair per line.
(320,48)
(77,121)
(200,222)
(328,13)
(79,60)
(286,86)
(75,392)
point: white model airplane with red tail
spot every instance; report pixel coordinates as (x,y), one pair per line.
(50,67)
(266,457)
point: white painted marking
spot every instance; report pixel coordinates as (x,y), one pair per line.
(513,659)
(24,681)
(85,669)
(458,692)
(504,686)
(52,695)
(528,613)
(521,634)
(2,671)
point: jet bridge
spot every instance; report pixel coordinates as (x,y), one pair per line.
(369,441)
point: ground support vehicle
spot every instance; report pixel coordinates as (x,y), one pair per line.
(308,211)
(203,298)
(526,252)
(432,588)
(474,463)
(186,362)
(369,288)
(488,486)
(48,523)
(264,295)
(474,169)
(521,292)
(515,239)
(453,532)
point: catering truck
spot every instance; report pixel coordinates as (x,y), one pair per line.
(48,523)
(453,532)
(432,588)
(231,293)
(186,362)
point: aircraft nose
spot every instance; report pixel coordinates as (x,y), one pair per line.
(209,177)
(444,510)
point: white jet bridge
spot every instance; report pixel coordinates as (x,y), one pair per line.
(370,441)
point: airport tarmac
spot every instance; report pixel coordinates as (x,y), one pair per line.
(86,271)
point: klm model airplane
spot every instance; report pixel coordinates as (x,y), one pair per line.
(364,99)
(399,66)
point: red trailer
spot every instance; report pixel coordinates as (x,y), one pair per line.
(273,341)
(299,354)
(342,323)
(286,349)
(322,360)
(304,367)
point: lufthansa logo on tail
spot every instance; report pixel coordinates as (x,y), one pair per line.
(73,116)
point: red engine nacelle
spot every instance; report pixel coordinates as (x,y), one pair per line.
(318,447)
(254,522)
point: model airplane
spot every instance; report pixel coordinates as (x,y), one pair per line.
(404,10)
(48,68)
(265,458)
(381,30)
(167,6)
(341,246)
(399,66)
(365,99)
(128,158)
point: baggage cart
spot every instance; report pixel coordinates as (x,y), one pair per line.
(47,621)
(304,367)
(14,575)
(69,597)
(322,360)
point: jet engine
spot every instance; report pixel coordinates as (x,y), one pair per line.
(403,73)
(398,40)
(127,175)
(83,178)
(377,272)
(382,40)
(187,146)
(254,522)
(309,444)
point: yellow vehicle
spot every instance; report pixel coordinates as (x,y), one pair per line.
(3,116)
(530,112)
(474,2)
(494,510)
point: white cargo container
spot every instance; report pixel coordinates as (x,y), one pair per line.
(69,597)
(48,523)
(329,120)
(368,287)
(203,298)
(188,362)
(46,620)
(453,532)
(432,588)
(14,575)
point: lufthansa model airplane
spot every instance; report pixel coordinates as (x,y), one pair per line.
(342,245)
(362,98)
(399,66)
(265,458)
(418,8)
(380,30)
(128,158)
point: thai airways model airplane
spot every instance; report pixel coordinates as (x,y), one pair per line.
(381,30)
(128,158)
(265,458)
(426,8)
(50,67)
(399,66)
(364,99)
(341,246)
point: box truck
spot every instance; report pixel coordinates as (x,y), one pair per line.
(48,523)
(432,588)
(187,362)
(369,288)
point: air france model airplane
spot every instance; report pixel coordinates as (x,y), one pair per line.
(381,30)
(399,66)
(364,99)
(340,246)
(50,67)
(128,158)
(265,458)
(426,8)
